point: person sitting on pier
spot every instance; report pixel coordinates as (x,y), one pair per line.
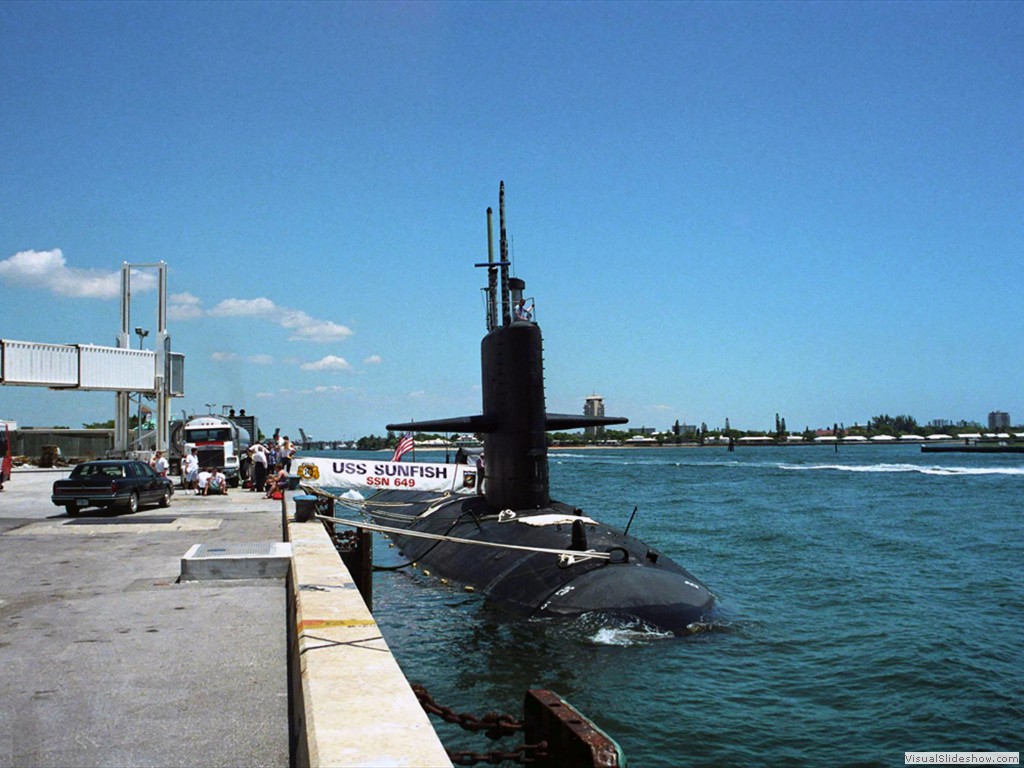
(277,485)
(218,484)
(203,481)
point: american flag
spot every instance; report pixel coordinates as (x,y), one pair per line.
(403,447)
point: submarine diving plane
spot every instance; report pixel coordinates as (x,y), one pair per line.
(509,540)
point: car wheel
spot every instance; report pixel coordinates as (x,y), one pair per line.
(133,503)
(71,510)
(165,500)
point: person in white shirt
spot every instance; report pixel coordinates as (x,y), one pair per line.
(522,312)
(191,470)
(160,465)
(259,466)
(218,483)
(203,481)
(287,451)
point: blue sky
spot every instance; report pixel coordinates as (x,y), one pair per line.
(721,209)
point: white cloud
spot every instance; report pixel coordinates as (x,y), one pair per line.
(418,394)
(373,360)
(332,388)
(49,271)
(223,357)
(260,359)
(328,363)
(184,306)
(261,307)
(320,330)
(306,328)
(302,326)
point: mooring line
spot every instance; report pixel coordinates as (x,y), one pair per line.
(589,554)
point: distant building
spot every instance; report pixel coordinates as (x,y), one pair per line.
(998,420)
(593,406)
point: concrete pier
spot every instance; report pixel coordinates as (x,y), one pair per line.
(353,706)
(110,659)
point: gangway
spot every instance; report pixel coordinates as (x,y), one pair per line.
(122,370)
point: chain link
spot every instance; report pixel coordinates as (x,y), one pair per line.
(493,725)
(524,754)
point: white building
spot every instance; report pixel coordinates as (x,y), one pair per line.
(593,406)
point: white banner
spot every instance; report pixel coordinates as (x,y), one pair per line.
(386,475)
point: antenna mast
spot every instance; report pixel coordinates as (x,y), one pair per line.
(506,315)
(492,275)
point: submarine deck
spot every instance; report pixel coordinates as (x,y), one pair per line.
(596,568)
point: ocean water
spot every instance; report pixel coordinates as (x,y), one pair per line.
(870,602)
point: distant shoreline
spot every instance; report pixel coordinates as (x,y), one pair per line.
(737,444)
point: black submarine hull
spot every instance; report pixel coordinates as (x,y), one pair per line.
(636,581)
(513,512)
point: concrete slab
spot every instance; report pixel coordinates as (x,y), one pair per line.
(258,560)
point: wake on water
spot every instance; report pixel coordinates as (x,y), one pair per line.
(914,468)
(869,468)
(616,629)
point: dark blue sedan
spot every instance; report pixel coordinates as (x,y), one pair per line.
(112,483)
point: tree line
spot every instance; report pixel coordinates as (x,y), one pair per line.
(679,434)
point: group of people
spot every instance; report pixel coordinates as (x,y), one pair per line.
(204,481)
(269,466)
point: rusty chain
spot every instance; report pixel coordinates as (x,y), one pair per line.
(493,725)
(523,754)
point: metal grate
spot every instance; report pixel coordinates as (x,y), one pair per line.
(235,550)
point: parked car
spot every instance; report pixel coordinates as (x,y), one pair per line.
(111,483)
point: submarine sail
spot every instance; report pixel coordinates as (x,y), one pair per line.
(537,556)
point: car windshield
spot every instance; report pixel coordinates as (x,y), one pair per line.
(85,471)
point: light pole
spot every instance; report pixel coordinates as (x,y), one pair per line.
(143,333)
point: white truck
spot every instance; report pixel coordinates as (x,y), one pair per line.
(220,443)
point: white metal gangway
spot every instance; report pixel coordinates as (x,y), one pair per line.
(119,369)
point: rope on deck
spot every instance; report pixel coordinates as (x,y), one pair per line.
(575,554)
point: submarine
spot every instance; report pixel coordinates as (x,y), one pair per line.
(509,541)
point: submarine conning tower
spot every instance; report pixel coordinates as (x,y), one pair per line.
(514,418)
(512,381)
